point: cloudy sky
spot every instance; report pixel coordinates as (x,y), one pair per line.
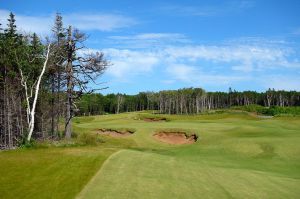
(157,45)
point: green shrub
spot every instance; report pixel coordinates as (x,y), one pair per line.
(24,143)
(273,110)
(278,110)
(28,144)
(249,108)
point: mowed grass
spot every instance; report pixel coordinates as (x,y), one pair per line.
(236,156)
(135,174)
(48,173)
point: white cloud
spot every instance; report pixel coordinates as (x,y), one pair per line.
(43,24)
(201,63)
(182,72)
(127,63)
(227,64)
(149,40)
(244,55)
(146,36)
(40,25)
(196,77)
(101,22)
(241,57)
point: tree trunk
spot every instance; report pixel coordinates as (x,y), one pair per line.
(37,88)
(69,70)
(58,90)
(52,104)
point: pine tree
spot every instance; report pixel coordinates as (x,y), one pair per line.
(59,33)
(11,26)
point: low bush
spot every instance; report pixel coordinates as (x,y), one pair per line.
(249,108)
(277,110)
(273,110)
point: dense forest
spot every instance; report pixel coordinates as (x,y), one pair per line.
(40,79)
(183,101)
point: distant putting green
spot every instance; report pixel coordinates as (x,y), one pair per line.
(237,155)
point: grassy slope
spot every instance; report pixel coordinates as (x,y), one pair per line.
(237,156)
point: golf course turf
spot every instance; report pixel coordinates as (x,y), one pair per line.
(236,155)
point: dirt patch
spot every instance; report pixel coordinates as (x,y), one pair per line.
(176,137)
(155,119)
(115,133)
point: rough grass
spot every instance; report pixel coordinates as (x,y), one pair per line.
(237,156)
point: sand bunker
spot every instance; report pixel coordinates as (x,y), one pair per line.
(176,137)
(155,119)
(115,133)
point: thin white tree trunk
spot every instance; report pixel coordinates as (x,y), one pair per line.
(37,88)
(24,84)
(119,102)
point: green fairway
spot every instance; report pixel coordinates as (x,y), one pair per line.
(132,174)
(237,155)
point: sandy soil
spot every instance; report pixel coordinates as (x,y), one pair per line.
(175,137)
(114,133)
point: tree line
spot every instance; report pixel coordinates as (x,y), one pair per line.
(44,84)
(40,80)
(183,101)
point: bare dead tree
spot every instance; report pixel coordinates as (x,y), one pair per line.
(80,70)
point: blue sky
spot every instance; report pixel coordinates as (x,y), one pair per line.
(159,45)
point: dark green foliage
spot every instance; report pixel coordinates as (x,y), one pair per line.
(273,110)
(250,108)
(191,101)
(21,61)
(11,26)
(17,53)
(24,143)
(277,110)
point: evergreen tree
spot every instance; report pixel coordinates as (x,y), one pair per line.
(11,29)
